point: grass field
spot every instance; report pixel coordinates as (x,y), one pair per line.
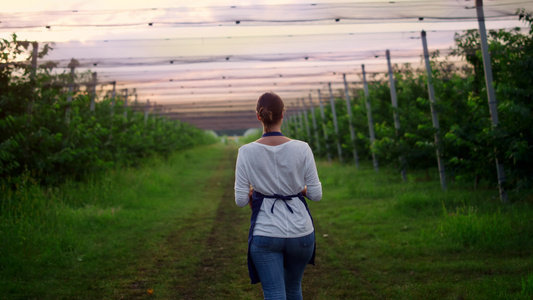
(170,230)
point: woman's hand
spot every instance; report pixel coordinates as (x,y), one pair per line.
(304,191)
(250,193)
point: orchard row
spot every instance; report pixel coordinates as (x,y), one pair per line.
(52,129)
(407,121)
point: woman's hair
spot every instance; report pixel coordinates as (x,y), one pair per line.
(270,108)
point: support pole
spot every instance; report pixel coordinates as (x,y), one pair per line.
(350,118)
(154,115)
(434,113)
(323,117)
(126,104)
(395,115)
(113,95)
(370,121)
(295,120)
(300,123)
(335,124)
(35,54)
(306,121)
(291,126)
(287,123)
(493,104)
(93,94)
(394,98)
(136,103)
(33,75)
(313,117)
(146,109)
(284,123)
(292,121)
(72,66)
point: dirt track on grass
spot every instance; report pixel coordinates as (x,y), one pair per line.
(205,256)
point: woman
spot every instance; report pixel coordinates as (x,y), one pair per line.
(273,175)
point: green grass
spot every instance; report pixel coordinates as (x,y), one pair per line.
(86,240)
(172,227)
(394,240)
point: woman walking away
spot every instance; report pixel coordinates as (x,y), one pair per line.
(273,175)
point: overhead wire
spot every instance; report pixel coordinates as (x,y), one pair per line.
(270,14)
(149,82)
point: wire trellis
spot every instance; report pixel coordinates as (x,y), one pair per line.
(229,54)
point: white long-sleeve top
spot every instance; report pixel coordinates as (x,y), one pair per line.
(284,169)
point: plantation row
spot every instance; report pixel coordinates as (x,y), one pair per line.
(49,134)
(469,141)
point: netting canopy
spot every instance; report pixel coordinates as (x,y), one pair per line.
(206,62)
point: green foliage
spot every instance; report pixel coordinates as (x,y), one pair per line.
(468,226)
(527,286)
(410,240)
(84,233)
(45,135)
(169,225)
(251,136)
(512,62)
(470,142)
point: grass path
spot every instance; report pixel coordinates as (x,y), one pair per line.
(171,230)
(372,243)
(204,257)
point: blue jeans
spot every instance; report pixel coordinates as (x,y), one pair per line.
(280,263)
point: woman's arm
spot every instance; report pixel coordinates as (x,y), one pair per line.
(313,187)
(242,183)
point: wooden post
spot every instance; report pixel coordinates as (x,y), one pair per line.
(154,116)
(35,54)
(324,131)
(434,113)
(370,121)
(299,120)
(313,117)
(146,111)
(289,117)
(306,120)
(300,124)
(286,124)
(72,66)
(295,122)
(352,133)
(395,115)
(393,96)
(136,103)
(113,95)
(493,104)
(335,124)
(126,104)
(93,94)
(33,74)
(292,123)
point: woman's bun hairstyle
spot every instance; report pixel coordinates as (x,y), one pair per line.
(270,108)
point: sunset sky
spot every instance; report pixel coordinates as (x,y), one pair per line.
(216,50)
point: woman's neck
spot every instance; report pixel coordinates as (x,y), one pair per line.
(273,140)
(272,128)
